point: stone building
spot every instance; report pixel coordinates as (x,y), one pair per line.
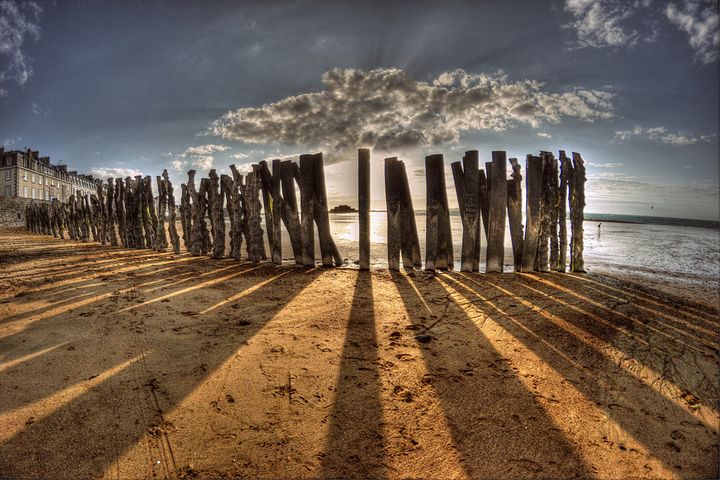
(25,174)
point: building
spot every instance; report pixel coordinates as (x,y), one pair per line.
(25,174)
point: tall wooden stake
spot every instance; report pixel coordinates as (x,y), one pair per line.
(497,213)
(514,206)
(364,207)
(533,191)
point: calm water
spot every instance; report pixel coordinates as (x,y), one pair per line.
(692,252)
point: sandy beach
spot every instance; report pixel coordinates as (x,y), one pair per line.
(118,363)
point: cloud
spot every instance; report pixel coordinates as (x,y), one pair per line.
(200,157)
(605,165)
(700,21)
(18,22)
(107,172)
(388,110)
(544,135)
(239,156)
(603,23)
(9,142)
(662,135)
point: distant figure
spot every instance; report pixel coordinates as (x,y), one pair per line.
(652,207)
(599,225)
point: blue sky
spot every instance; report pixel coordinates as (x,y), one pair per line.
(138,86)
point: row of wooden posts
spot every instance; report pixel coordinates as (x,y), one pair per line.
(125,212)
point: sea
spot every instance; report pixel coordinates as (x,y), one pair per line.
(652,247)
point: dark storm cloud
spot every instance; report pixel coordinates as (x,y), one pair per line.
(18,21)
(389,110)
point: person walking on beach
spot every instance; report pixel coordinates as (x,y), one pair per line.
(599,224)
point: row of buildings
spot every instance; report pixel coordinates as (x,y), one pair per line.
(26,174)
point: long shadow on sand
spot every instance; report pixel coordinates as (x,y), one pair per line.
(565,339)
(105,401)
(497,426)
(355,442)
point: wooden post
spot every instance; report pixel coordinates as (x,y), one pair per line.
(364,207)
(277,211)
(267,199)
(217,214)
(577,214)
(553,200)
(497,213)
(514,206)
(237,220)
(484,201)
(255,244)
(438,241)
(172,227)
(110,211)
(102,213)
(203,211)
(392,201)
(307,209)
(533,191)
(328,249)
(409,241)
(160,237)
(290,209)
(186,216)
(120,211)
(541,258)
(565,168)
(195,210)
(467,186)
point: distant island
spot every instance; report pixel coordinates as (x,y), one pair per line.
(343,209)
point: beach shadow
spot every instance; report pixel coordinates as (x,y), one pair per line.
(496,424)
(104,401)
(355,444)
(579,347)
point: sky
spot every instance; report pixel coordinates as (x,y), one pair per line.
(116,88)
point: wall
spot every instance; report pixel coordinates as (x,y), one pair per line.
(12,211)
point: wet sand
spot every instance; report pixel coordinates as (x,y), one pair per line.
(131,364)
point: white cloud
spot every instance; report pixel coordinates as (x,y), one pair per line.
(603,23)
(18,22)
(205,149)
(700,21)
(200,156)
(544,135)
(662,135)
(107,172)
(388,110)
(9,142)
(605,165)
(239,156)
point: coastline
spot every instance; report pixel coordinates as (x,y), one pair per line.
(131,363)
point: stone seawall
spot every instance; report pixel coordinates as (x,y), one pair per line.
(12,210)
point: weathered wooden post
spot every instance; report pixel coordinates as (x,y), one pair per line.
(438,243)
(364,207)
(484,201)
(553,197)
(196,235)
(307,209)
(541,258)
(533,192)
(120,211)
(466,176)
(218,215)
(328,250)
(102,215)
(577,214)
(290,208)
(236,213)
(514,206)
(409,241)
(87,225)
(254,235)
(111,214)
(565,169)
(266,182)
(497,213)
(172,227)
(186,216)
(160,237)
(392,201)
(203,211)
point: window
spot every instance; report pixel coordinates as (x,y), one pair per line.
(25,176)
(33,180)
(7,161)
(46,181)
(25,192)
(33,193)
(7,174)
(8,192)
(47,195)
